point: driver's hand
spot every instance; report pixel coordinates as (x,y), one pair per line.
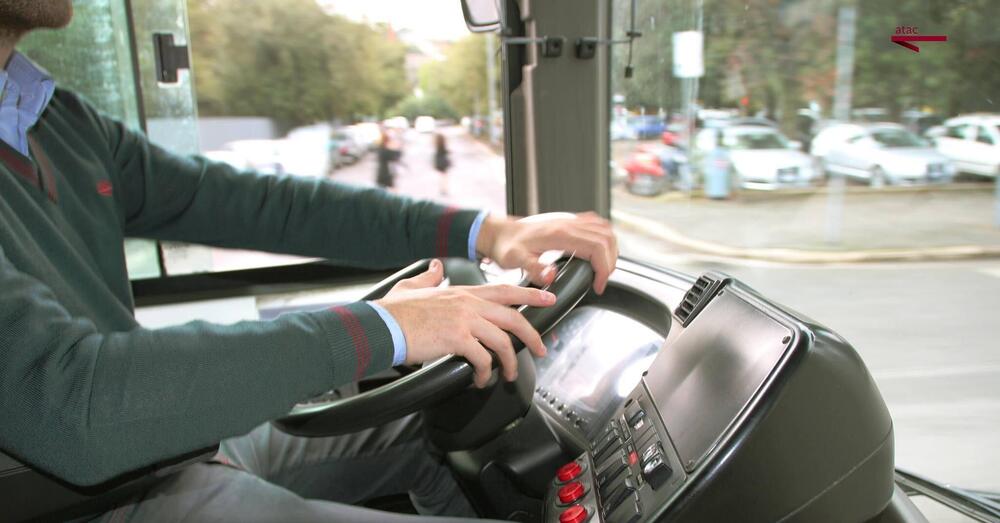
(516,244)
(464,321)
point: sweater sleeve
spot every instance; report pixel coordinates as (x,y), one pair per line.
(86,406)
(170,197)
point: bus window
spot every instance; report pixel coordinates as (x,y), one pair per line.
(829,223)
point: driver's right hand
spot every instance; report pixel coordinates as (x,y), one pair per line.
(465,321)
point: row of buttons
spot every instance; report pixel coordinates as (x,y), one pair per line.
(616,482)
(561,408)
(654,467)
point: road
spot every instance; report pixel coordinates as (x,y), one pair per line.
(929,332)
(475,180)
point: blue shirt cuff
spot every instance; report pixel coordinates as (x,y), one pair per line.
(474,233)
(398,340)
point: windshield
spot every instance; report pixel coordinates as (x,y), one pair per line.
(897,138)
(754,140)
(826,238)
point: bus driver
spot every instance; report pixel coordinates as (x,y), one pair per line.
(87,394)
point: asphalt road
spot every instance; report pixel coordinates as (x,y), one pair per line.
(929,332)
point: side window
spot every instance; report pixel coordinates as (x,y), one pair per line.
(984,136)
(103,74)
(956,131)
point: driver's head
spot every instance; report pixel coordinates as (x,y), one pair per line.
(20,16)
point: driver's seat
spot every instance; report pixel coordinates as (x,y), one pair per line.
(27,494)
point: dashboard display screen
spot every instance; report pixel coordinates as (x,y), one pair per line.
(596,357)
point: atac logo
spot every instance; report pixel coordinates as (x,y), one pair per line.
(905,34)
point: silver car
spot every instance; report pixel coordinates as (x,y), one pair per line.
(760,156)
(881,153)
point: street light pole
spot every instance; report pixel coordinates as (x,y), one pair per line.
(846,17)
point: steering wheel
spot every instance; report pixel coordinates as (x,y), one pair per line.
(438,380)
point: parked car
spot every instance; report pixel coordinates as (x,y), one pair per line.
(882,153)
(646,126)
(620,130)
(424,124)
(396,122)
(920,122)
(344,150)
(760,156)
(366,134)
(972,142)
(263,156)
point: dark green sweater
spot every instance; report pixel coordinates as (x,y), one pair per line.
(85,392)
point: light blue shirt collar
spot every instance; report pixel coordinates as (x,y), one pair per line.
(25,92)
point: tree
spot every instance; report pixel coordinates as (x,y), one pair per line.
(460,79)
(291,61)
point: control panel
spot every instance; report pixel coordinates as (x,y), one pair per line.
(630,470)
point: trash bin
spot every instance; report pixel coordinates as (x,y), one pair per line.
(717,174)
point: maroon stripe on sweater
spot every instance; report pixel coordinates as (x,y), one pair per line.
(362,350)
(45,166)
(19,164)
(443,228)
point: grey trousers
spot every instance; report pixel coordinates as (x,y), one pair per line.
(268,475)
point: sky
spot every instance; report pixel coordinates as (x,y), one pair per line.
(424,19)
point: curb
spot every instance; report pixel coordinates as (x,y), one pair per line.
(751,194)
(666,233)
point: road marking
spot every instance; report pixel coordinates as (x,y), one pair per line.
(937,372)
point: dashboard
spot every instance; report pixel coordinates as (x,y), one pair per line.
(689,424)
(595,358)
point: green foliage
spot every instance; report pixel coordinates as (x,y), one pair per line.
(460,79)
(291,61)
(433,105)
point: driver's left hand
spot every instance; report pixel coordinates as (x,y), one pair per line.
(513,243)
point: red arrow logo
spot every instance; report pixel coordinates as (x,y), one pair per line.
(904,40)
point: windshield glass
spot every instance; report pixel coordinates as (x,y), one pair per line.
(825,237)
(897,138)
(754,140)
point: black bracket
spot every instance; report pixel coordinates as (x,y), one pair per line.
(550,46)
(170,58)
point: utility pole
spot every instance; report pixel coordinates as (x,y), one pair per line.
(846,21)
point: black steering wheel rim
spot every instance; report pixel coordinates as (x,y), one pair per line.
(438,380)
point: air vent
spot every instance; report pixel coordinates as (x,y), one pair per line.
(702,292)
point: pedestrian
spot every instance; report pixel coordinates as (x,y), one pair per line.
(387,155)
(441,161)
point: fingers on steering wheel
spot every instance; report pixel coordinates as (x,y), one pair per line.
(505,294)
(432,277)
(539,273)
(480,360)
(514,322)
(598,248)
(491,337)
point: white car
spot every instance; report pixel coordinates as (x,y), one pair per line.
(760,156)
(972,142)
(396,122)
(881,153)
(424,124)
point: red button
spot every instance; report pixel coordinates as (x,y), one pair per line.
(570,493)
(568,471)
(632,458)
(574,514)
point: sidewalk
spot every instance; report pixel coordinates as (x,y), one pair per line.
(876,225)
